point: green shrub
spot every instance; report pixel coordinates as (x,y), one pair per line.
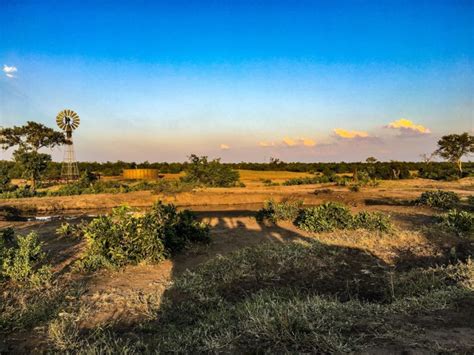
(201,171)
(372,221)
(326,217)
(172,187)
(305,181)
(67,230)
(331,216)
(460,222)
(439,199)
(269,182)
(354,188)
(123,238)
(470,202)
(279,211)
(22,259)
(21,192)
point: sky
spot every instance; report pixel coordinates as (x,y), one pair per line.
(307,81)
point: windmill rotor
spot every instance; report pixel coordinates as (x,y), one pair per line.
(68,120)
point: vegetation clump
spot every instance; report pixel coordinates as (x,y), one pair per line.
(304,181)
(125,238)
(269,182)
(438,199)
(326,217)
(460,222)
(210,173)
(22,260)
(332,216)
(279,211)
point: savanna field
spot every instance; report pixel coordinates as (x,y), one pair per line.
(276,262)
(237,177)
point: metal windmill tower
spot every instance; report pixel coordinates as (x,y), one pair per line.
(68,121)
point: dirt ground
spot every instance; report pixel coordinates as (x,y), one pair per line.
(254,193)
(121,295)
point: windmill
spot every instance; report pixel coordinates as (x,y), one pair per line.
(68,121)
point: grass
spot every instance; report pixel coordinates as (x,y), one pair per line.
(284,298)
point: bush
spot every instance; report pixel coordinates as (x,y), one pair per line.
(460,222)
(269,182)
(172,187)
(22,259)
(439,199)
(372,221)
(470,201)
(354,188)
(439,172)
(276,211)
(331,216)
(67,230)
(21,192)
(305,181)
(123,238)
(201,171)
(324,218)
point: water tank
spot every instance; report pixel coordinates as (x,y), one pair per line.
(141,174)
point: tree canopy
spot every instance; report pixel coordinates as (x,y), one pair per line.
(29,139)
(32,136)
(453,147)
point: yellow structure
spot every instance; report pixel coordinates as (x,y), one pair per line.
(141,174)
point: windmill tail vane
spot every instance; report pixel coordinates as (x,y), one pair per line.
(68,121)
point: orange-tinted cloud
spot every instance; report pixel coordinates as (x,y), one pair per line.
(407,126)
(224,147)
(308,142)
(342,133)
(289,142)
(266,144)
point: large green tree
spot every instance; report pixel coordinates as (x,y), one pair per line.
(454,146)
(28,140)
(211,173)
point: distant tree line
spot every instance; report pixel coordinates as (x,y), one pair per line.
(380,170)
(27,140)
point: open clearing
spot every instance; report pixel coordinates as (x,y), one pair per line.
(123,300)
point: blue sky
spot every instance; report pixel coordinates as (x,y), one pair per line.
(242,80)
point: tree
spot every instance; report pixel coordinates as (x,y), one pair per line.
(371,160)
(4,177)
(212,173)
(454,146)
(427,158)
(29,139)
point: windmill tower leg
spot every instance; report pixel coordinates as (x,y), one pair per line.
(69,169)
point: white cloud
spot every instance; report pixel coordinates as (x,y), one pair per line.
(9,70)
(224,147)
